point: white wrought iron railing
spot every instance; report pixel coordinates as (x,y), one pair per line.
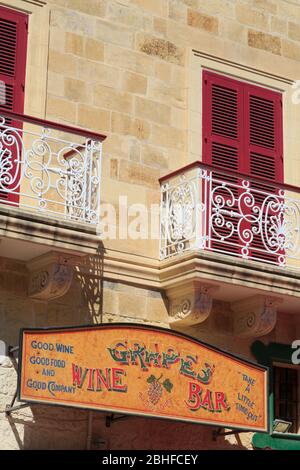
(50,168)
(207,208)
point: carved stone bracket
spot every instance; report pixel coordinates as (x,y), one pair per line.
(189,304)
(255,316)
(50,276)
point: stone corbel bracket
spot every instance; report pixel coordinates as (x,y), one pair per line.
(255,316)
(50,276)
(189,304)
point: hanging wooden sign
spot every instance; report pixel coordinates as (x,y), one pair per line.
(141,370)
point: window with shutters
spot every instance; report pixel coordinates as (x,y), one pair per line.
(242,132)
(13,47)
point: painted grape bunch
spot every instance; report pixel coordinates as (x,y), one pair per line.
(155,389)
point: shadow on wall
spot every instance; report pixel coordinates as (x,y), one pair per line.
(90,279)
(45,427)
(137,433)
(66,429)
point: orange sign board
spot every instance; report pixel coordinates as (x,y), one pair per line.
(140,370)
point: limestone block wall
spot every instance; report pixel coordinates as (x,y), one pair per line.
(122,67)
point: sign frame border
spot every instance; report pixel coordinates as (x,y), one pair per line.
(117,325)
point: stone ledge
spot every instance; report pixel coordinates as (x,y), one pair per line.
(74,238)
(134,269)
(222,269)
(205,267)
(38,228)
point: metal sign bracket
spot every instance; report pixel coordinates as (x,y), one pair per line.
(10,406)
(11,350)
(220,432)
(113,418)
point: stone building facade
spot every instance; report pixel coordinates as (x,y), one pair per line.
(132,71)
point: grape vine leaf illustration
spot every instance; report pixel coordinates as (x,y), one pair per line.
(167,384)
(151,379)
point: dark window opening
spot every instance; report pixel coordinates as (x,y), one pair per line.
(286,395)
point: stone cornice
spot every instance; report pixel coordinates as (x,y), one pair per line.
(217,269)
(125,267)
(68,236)
(206,267)
(78,239)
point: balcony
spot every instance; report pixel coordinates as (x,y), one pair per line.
(207,208)
(50,180)
(50,168)
(227,237)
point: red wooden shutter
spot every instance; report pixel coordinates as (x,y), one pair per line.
(222,147)
(264,156)
(242,131)
(13,48)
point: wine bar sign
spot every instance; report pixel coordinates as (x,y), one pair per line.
(134,369)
